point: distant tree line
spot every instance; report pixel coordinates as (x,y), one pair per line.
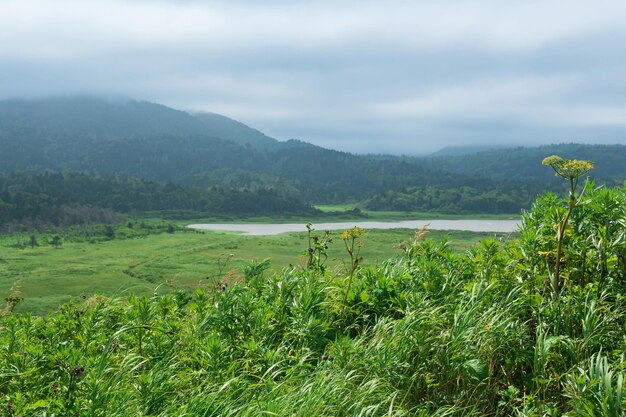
(520,165)
(308,172)
(208,174)
(61,199)
(216,164)
(461,200)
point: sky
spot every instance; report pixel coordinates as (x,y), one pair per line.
(401,77)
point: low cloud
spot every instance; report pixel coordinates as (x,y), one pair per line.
(396,76)
(482,99)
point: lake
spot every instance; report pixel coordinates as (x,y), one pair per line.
(260,229)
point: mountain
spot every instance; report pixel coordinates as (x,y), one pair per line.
(63,199)
(313,173)
(115,118)
(226,128)
(105,137)
(464,150)
(151,141)
(523,164)
(90,116)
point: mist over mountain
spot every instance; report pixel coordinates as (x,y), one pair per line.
(93,116)
(522,164)
(223,127)
(154,142)
(464,150)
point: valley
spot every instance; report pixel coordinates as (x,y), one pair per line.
(113,306)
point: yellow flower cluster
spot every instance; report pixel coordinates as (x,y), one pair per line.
(352,233)
(567,168)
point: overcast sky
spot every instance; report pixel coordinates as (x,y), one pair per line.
(387,76)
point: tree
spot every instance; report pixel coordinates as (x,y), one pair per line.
(56,241)
(109,232)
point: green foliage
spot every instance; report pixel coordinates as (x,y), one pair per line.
(570,170)
(156,143)
(429,333)
(58,199)
(520,164)
(484,198)
(145,257)
(317,250)
(595,390)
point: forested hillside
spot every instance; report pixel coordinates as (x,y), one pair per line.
(124,118)
(502,198)
(315,173)
(153,142)
(56,199)
(520,164)
(91,116)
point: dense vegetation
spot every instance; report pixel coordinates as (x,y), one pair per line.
(430,333)
(156,143)
(141,257)
(518,179)
(309,172)
(500,199)
(56,199)
(519,165)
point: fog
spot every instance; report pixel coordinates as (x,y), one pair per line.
(390,77)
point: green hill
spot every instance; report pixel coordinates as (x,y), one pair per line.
(90,116)
(223,127)
(463,150)
(154,142)
(38,201)
(520,164)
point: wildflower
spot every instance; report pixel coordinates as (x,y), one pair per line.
(352,233)
(571,170)
(78,371)
(567,168)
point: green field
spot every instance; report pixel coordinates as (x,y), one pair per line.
(50,276)
(408,215)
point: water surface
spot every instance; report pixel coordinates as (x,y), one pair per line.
(259,229)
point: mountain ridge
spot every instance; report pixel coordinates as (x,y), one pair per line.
(155,142)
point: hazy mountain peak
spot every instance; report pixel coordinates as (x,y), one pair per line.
(90,115)
(464,150)
(118,116)
(225,127)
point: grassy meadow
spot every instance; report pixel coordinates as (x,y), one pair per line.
(49,276)
(344,210)
(494,330)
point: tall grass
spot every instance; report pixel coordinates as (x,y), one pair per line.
(429,333)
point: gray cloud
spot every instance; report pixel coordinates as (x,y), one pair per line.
(397,76)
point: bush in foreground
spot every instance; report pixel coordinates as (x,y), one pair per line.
(431,333)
